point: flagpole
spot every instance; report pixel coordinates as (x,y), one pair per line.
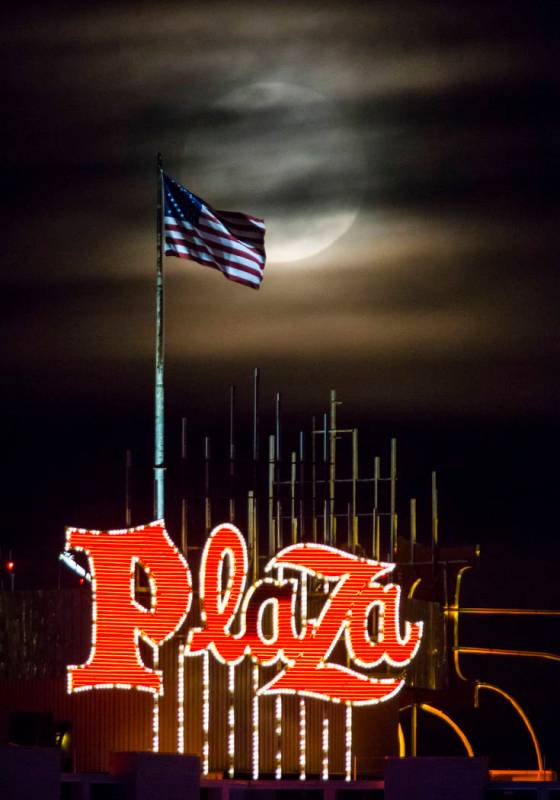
(159,466)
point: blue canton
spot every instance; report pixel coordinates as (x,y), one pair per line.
(180,203)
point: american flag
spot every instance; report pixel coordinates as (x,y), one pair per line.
(226,240)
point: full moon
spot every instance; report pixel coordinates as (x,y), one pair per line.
(283,152)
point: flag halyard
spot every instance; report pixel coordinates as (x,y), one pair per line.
(228,241)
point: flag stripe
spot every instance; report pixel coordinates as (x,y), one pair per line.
(198,247)
(251,239)
(232,274)
(229,241)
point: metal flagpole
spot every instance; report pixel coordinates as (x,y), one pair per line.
(159,467)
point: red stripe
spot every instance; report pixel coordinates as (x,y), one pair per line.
(237,215)
(237,250)
(218,256)
(191,257)
(221,264)
(252,243)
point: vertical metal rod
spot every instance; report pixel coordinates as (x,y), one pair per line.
(332,466)
(232,453)
(301,488)
(293,518)
(207,509)
(355,478)
(277,430)
(271,477)
(313,484)
(278,525)
(412,527)
(251,526)
(393,498)
(349,520)
(434,511)
(159,455)
(127,509)
(376,520)
(184,485)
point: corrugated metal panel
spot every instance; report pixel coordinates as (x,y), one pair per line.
(102,721)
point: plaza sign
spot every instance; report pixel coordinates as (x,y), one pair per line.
(232,614)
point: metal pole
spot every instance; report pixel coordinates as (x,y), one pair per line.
(412,527)
(293,518)
(251,525)
(183,484)
(414,730)
(434,511)
(313,484)
(127,510)
(332,465)
(159,464)
(232,453)
(376,520)
(393,498)
(354,488)
(301,487)
(271,473)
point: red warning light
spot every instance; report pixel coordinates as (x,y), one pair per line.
(10,566)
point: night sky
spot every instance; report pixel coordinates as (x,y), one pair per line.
(404,157)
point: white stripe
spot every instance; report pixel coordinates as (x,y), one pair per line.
(214,223)
(238,235)
(251,220)
(232,227)
(228,242)
(230,270)
(228,257)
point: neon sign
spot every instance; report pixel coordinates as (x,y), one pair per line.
(304,655)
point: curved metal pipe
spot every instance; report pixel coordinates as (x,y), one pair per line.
(519,710)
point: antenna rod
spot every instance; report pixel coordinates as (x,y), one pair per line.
(159,465)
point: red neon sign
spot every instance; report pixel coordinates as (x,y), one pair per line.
(118,620)
(304,654)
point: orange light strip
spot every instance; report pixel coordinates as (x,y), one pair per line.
(492,651)
(522,714)
(528,775)
(437,712)
(537,612)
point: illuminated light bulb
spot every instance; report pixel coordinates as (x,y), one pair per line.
(155,712)
(231,720)
(181,701)
(255,716)
(325,770)
(205,711)
(302,744)
(278,720)
(348,744)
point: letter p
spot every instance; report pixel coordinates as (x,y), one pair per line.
(118,620)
